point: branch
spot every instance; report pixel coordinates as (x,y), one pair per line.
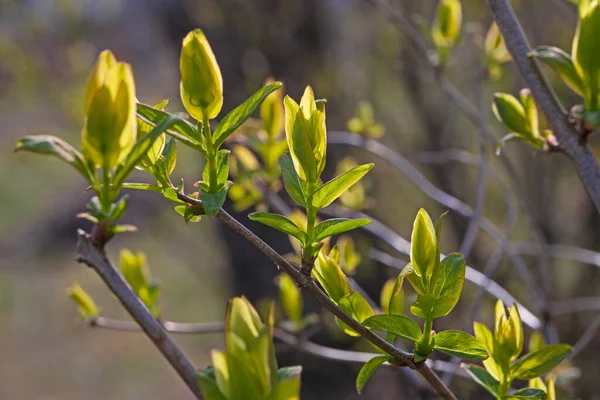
(580,154)
(305,282)
(88,253)
(172,327)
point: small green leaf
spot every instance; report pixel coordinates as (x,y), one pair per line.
(367,370)
(483,378)
(170,155)
(171,194)
(397,324)
(336,226)
(530,111)
(208,384)
(188,214)
(291,181)
(415,280)
(511,113)
(291,298)
(357,307)
(213,202)
(497,364)
(236,118)
(287,386)
(329,274)
(182,130)
(51,145)
(330,191)
(447,283)
(540,362)
(281,223)
(424,247)
(141,148)
(527,393)
(584,51)
(394,304)
(118,209)
(562,64)
(85,303)
(460,344)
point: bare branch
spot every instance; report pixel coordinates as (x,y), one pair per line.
(172,327)
(586,338)
(95,258)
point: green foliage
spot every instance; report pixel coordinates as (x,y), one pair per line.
(505,346)
(496,52)
(398,325)
(134,268)
(446,27)
(363,123)
(86,305)
(328,273)
(248,368)
(367,370)
(521,119)
(291,298)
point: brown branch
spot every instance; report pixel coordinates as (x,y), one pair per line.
(307,283)
(88,253)
(580,154)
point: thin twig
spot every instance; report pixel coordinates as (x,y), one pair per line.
(586,338)
(193,328)
(401,357)
(95,258)
(580,304)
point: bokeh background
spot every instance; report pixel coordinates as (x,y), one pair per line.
(349,53)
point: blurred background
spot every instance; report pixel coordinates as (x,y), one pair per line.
(349,52)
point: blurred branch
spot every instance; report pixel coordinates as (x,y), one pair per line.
(561,251)
(580,304)
(88,253)
(448,155)
(307,283)
(580,153)
(586,338)
(172,327)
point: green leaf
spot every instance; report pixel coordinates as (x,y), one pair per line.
(394,302)
(562,63)
(357,307)
(187,213)
(236,118)
(140,149)
(142,186)
(329,274)
(280,223)
(170,155)
(222,168)
(536,342)
(424,247)
(540,362)
(330,191)
(497,364)
(208,384)
(447,283)
(336,226)
(171,194)
(483,378)
(213,202)
(182,130)
(530,111)
(298,140)
(460,344)
(367,370)
(85,303)
(527,393)
(291,298)
(51,145)
(399,325)
(511,113)
(585,52)
(118,209)
(291,181)
(287,386)
(415,280)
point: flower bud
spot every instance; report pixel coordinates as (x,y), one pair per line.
(201,83)
(110,128)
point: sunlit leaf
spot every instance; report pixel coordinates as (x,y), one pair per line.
(335,226)
(357,307)
(367,370)
(281,223)
(483,378)
(399,325)
(540,362)
(460,344)
(330,191)
(562,64)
